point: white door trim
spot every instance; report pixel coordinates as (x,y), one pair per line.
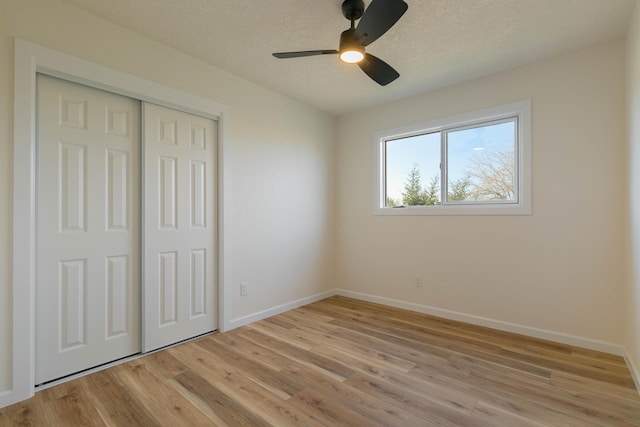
(29,60)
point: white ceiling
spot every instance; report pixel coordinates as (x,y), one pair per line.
(435,44)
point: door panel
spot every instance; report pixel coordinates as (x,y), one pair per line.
(179,231)
(88,233)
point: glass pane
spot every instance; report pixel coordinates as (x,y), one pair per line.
(481,163)
(412,171)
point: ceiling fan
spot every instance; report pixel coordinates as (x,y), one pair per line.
(379,17)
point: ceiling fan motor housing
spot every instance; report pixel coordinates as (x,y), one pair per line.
(348,40)
(352,9)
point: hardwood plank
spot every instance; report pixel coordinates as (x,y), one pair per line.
(521,408)
(277,321)
(617,376)
(564,380)
(205,363)
(304,316)
(487,415)
(382,334)
(257,371)
(260,401)
(214,419)
(407,400)
(163,364)
(306,357)
(598,355)
(327,410)
(113,400)
(280,333)
(227,409)
(545,403)
(158,397)
(487,351)
(257,353)
(27,413)
(346,362)
(360,402)
(70,406)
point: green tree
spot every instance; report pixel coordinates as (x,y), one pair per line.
(432,192)
(415,195)
(460,189)
(413,192)
(391,202)
(491,177)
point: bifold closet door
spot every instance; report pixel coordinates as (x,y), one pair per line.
(179,237)
(88,234)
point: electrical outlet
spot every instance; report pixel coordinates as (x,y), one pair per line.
(418,280)
(244,289)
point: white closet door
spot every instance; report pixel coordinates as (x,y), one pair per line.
(88,284)
(179,252)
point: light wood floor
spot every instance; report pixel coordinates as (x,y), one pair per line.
(342,362)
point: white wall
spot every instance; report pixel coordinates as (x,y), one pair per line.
(560,269)
(282,221)
(632,296)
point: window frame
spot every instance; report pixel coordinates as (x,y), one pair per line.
(520,111)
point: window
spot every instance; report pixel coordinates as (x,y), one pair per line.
(472,164)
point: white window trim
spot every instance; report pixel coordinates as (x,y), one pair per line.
(520,109)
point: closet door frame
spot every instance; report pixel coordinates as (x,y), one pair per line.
(31,59)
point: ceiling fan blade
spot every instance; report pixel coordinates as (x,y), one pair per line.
(379,17)
(378,70)
(284,55)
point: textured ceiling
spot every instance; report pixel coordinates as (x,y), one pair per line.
(435,44)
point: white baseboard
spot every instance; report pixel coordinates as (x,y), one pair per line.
(635,373)
(7,397)
(250,318)
(558,337)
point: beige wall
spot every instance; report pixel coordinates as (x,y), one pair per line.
(632,324)
(559,269)
(281,185)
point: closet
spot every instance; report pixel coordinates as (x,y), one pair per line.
(125,227)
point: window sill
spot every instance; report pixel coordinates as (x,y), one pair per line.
(464,210)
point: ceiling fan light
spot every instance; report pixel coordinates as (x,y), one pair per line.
(351,51)
(351,56)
